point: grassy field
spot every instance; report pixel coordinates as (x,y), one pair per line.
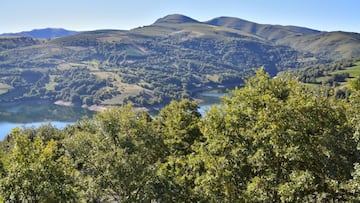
(127,90)
(353,71)
(51,85)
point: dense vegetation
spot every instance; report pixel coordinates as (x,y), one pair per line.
(76,85)
(272,141)
(152,65)
(338,76)
(332,74)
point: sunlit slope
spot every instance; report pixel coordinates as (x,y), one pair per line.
(169,59)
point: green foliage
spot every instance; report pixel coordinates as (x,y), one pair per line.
(355,84)
(117,157)
(177,124)
(178,127)
(37,171)
(273,140)
(78,86)
(332,74)
(274,134)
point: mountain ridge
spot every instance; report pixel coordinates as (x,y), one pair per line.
(44,33)
(300,38)
(151,65)
(256,28)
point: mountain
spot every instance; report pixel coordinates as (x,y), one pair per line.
(268,32)
(331,45)
(334,45)
(176,18)
(44,33)
(172,58)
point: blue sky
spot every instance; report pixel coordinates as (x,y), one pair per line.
(326,15)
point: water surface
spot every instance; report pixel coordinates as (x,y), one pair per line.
(37,113)
(210,98)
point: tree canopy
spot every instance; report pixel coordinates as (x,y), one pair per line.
(274,140)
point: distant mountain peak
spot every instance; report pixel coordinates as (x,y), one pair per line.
(176,18)
(227,19)
(44,33)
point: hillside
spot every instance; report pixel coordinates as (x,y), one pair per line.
(11,42)
(331,45)
(151,65)
(44,33)
(339,74)
(268,32)
(336,45)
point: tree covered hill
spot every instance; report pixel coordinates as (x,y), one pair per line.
(170,59)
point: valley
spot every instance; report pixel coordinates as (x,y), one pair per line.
(168,60)
(180,109)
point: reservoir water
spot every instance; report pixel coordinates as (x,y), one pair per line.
(209,98)
(37,113)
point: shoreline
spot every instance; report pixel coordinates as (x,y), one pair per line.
(64,103)
(96,108)
(101,108)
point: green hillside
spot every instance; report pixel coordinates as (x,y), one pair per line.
(338,75)
(152,65)
(268,32)
(328,45)
(336,45)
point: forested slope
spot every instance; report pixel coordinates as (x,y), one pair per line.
(152,65)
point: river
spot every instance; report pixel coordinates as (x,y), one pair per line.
(37,113)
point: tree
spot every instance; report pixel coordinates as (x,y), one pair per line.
(117,157)
(37,172)
(353,185)
(274,141)
(177,126)
(355,84)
